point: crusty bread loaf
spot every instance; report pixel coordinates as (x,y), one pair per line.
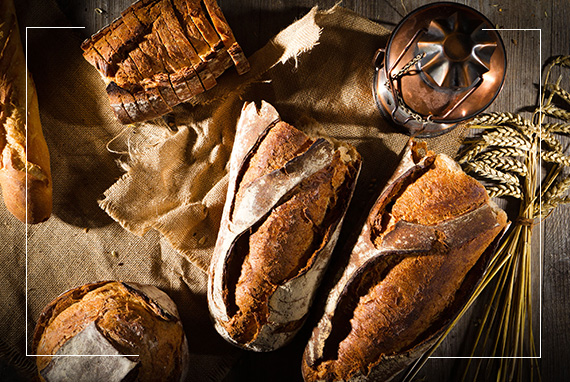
(25,174)
(269,260)
(111,318)
(426,232)
(160,53)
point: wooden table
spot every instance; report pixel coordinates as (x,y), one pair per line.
(256,21)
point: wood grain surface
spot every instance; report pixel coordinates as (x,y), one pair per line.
(254,22)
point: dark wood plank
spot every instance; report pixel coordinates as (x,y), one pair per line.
(556,240)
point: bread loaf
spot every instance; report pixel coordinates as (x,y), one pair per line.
(287,196)
(25,174)
(417,256)
(138,325)
(160,53)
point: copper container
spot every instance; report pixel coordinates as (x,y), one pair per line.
(443,64)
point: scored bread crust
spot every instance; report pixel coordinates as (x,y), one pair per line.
(25,174)
(287,197)
(160,53)
(135,318)
(420,252)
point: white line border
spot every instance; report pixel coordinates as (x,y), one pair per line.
(540,204)
(26,245)
(433,357)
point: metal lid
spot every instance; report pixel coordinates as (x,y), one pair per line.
(443,63)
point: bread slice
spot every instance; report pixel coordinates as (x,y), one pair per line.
(160,53)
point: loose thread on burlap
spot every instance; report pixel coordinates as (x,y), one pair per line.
(108,145)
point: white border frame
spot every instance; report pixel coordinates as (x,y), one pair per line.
(433,357)
(26,233)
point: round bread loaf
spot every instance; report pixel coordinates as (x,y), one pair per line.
(111,331)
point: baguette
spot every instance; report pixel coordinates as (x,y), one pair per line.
(161,53)
(111,318)
(25,174)
(417,257)
(285,204)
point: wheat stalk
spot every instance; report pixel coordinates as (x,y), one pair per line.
(501,190)
(560,60)
(471,153)
(504,136)
(502,132)
(551,141)
(488,171)
(552,197)
(507,153)
(556,89)
(502,153)
(491,152)
(547,207)
(555,157)
(560,128)
(492,120)
(558,189)
(505,163)
(556,112)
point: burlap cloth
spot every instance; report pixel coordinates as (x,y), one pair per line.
(318,75)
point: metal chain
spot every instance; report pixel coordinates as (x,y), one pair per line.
(400,101)
(408,66)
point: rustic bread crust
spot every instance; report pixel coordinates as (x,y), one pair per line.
(135,319)
(283,212)
(428,230)
(25,174)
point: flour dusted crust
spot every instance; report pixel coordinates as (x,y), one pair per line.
(160,53)
(420,251)
(114,318)
(287,197)
(25,174)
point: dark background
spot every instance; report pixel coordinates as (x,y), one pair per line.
(254,22)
